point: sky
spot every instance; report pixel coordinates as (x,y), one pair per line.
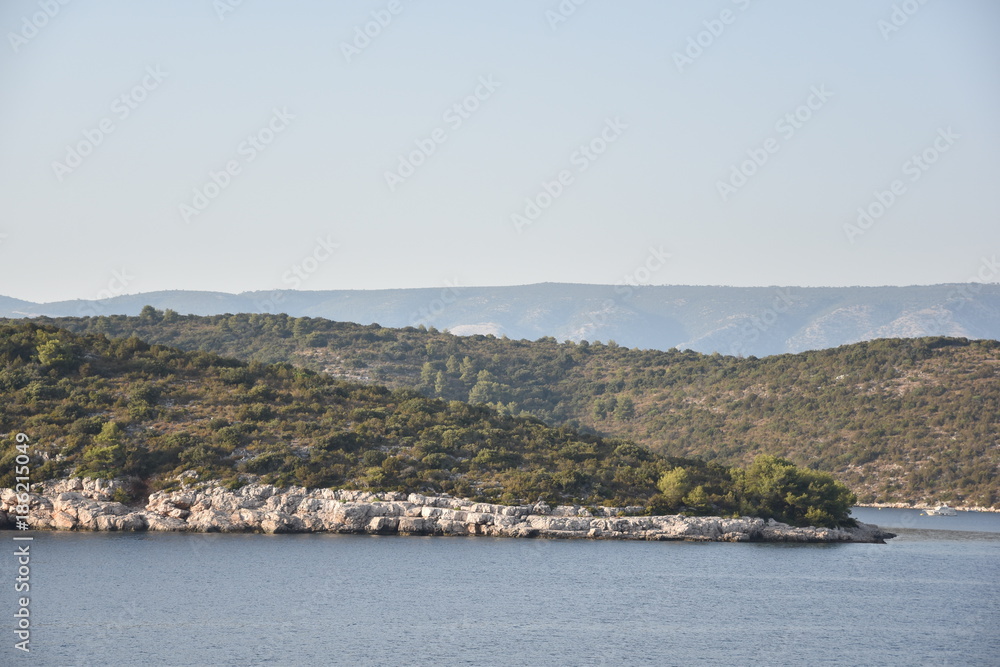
(248,145)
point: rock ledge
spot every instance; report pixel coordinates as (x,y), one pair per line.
(86,504)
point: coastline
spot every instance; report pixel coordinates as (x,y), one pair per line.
(908,506)
(86,504)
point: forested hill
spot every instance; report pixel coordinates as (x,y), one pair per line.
(912,420)
(115,408)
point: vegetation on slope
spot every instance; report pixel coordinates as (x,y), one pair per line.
(121,407)
(897,420)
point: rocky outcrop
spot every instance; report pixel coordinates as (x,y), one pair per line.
(87,505)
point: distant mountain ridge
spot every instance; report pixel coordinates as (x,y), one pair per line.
(745,321)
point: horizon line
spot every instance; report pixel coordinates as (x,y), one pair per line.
(457,287)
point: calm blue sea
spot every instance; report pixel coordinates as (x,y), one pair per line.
(929,597)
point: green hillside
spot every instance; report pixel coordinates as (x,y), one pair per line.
(897,420)
(95,406)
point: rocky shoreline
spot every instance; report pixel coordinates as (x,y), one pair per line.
(86,504)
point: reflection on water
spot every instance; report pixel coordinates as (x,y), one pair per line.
(933,535)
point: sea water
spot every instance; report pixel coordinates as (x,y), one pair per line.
(931,596)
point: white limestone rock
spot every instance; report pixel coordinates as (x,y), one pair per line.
(383,525)
(165,524)
(63,520)
(85,505)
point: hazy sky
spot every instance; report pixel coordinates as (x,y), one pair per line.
(739,138)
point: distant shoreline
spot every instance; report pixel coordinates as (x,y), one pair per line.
(905,506)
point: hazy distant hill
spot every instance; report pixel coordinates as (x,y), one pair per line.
(745,321)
